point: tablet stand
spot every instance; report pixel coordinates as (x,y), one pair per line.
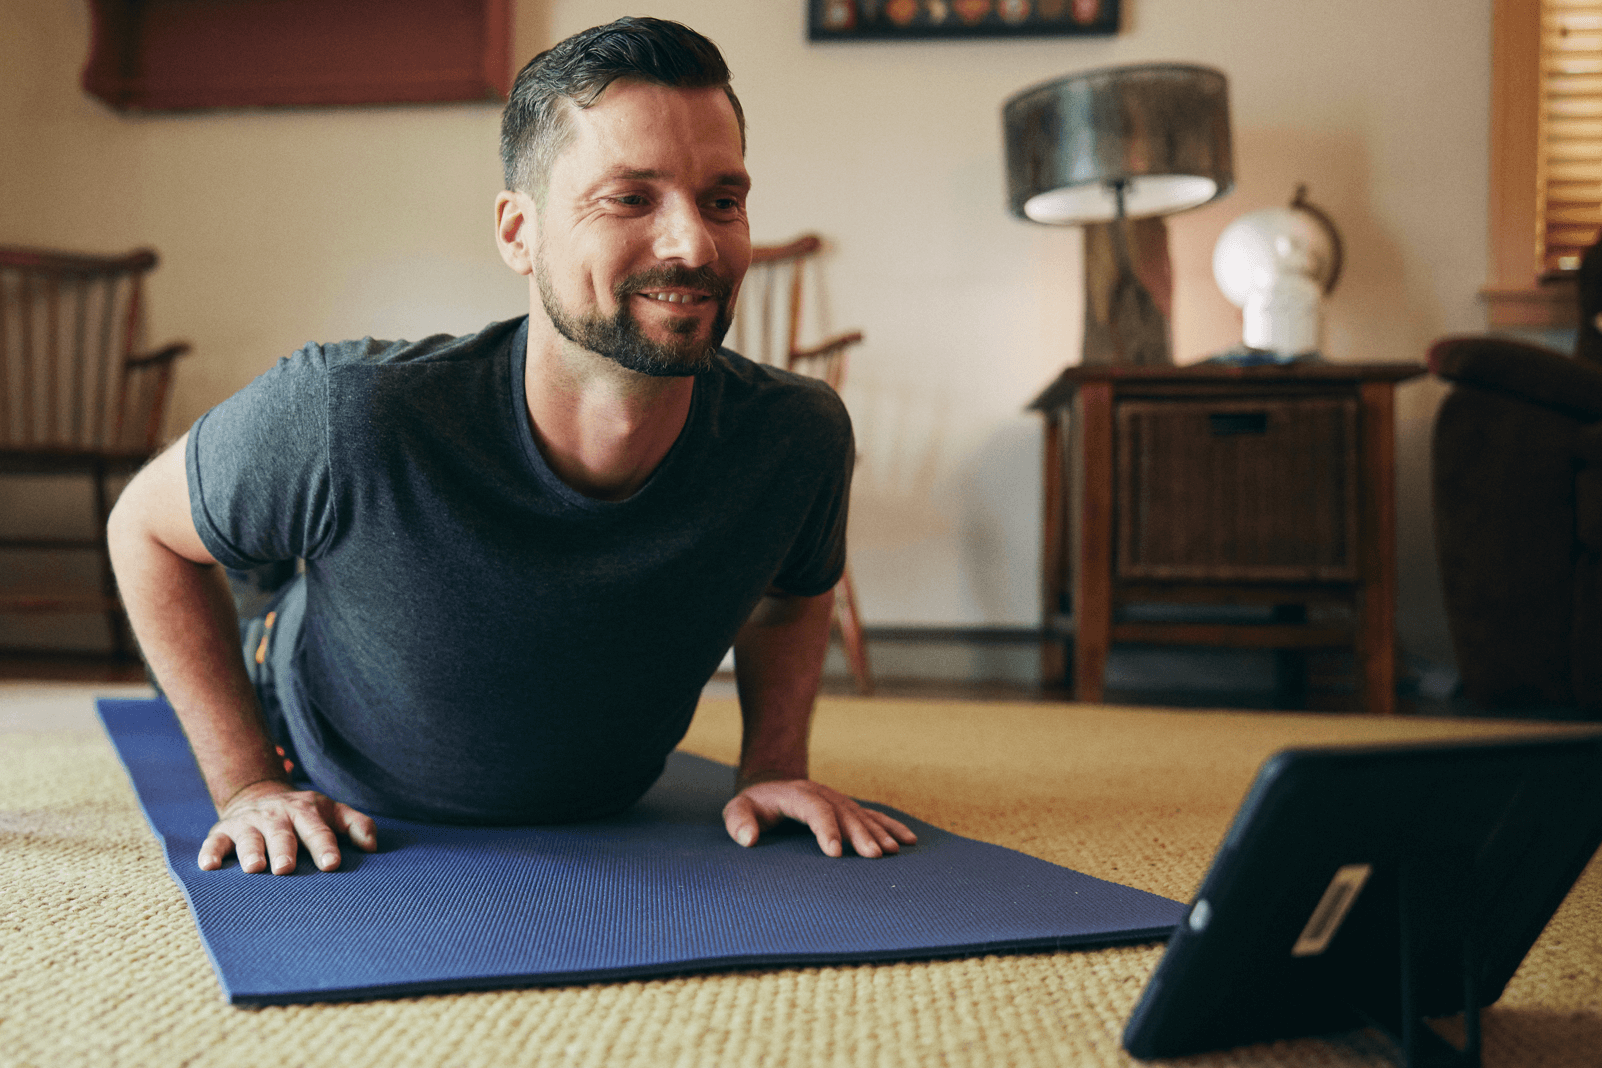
(1420,1045)
(1448,861)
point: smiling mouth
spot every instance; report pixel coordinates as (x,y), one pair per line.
(688,290)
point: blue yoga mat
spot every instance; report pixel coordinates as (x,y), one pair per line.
(658,890)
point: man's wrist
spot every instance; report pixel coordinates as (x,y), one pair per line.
(272,784)
(745,779)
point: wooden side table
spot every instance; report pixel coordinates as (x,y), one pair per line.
(1214,485)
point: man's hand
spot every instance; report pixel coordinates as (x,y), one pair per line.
(270,819)
(832,816)
(778,659)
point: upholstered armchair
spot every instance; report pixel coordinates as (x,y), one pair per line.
(1517,459)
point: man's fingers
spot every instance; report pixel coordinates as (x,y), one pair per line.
(894,827)
(833,818)
(740,820)
(268,826)
(282,845)
(886,840)
(251,849)
(818,814)
(356,826)
(887,833)
(214,850)
(321,845)
(865,835)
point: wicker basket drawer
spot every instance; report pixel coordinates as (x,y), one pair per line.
(1237,490)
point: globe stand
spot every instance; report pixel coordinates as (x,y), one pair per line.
(1278,265)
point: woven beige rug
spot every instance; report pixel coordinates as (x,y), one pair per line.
(100,964)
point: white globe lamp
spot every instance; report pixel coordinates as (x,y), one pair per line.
(1277,265)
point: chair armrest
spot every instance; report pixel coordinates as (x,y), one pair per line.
(1532,373)
(1588,446)
(164,354)
(829,347)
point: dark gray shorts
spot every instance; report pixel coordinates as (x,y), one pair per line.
(268,643)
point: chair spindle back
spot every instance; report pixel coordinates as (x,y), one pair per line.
(767,320)
(71,376)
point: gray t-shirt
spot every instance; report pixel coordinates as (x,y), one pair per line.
(481,643)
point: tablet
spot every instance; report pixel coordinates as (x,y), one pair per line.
(1376,886)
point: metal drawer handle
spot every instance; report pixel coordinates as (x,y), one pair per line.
(1225,424)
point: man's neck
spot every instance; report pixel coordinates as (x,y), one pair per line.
(602,429)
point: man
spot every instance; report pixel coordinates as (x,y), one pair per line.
(526,550)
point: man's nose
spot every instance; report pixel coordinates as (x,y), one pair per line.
(682,235)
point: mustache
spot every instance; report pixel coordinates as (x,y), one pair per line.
(667,275)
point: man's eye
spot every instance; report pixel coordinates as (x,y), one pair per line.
(629,200)
(726,204)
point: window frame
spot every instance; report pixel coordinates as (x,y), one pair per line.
(1517,294)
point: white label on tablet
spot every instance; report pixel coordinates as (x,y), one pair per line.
(1332,909)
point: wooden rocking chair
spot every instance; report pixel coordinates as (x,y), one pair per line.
(767,328)
(77,398)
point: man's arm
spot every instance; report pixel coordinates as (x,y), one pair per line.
(178,602)
(778,661)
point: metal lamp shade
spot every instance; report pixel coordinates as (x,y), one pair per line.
(1161,130)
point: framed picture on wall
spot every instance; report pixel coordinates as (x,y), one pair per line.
(179,55)
(893,20)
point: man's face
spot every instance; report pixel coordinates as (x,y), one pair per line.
(643,238)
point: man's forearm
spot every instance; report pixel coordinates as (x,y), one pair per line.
(778,662)
(183,616)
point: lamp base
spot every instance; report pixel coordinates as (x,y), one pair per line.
(1128,297)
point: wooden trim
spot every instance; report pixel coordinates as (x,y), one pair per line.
(1241,593)
(1054,514)
(941,634)
(1234,635)
(46,461)
(1547,305)
(1201,379)
(51,603)
(1092,571)
(140,259)
(1515,144)
(52,543)
(1518,293)
(1376,643)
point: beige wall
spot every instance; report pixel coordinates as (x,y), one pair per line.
(279,227)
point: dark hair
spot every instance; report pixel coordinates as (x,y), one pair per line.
(534,126)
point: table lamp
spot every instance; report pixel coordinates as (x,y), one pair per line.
(1114,151)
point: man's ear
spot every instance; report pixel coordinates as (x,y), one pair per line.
(516,231)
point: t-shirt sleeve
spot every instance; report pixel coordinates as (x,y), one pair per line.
(817,556)
(259,478)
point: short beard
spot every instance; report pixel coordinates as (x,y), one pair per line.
(620,338)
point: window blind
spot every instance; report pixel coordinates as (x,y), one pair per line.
(1569,185)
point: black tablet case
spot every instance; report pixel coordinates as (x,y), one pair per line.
(1468,847)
